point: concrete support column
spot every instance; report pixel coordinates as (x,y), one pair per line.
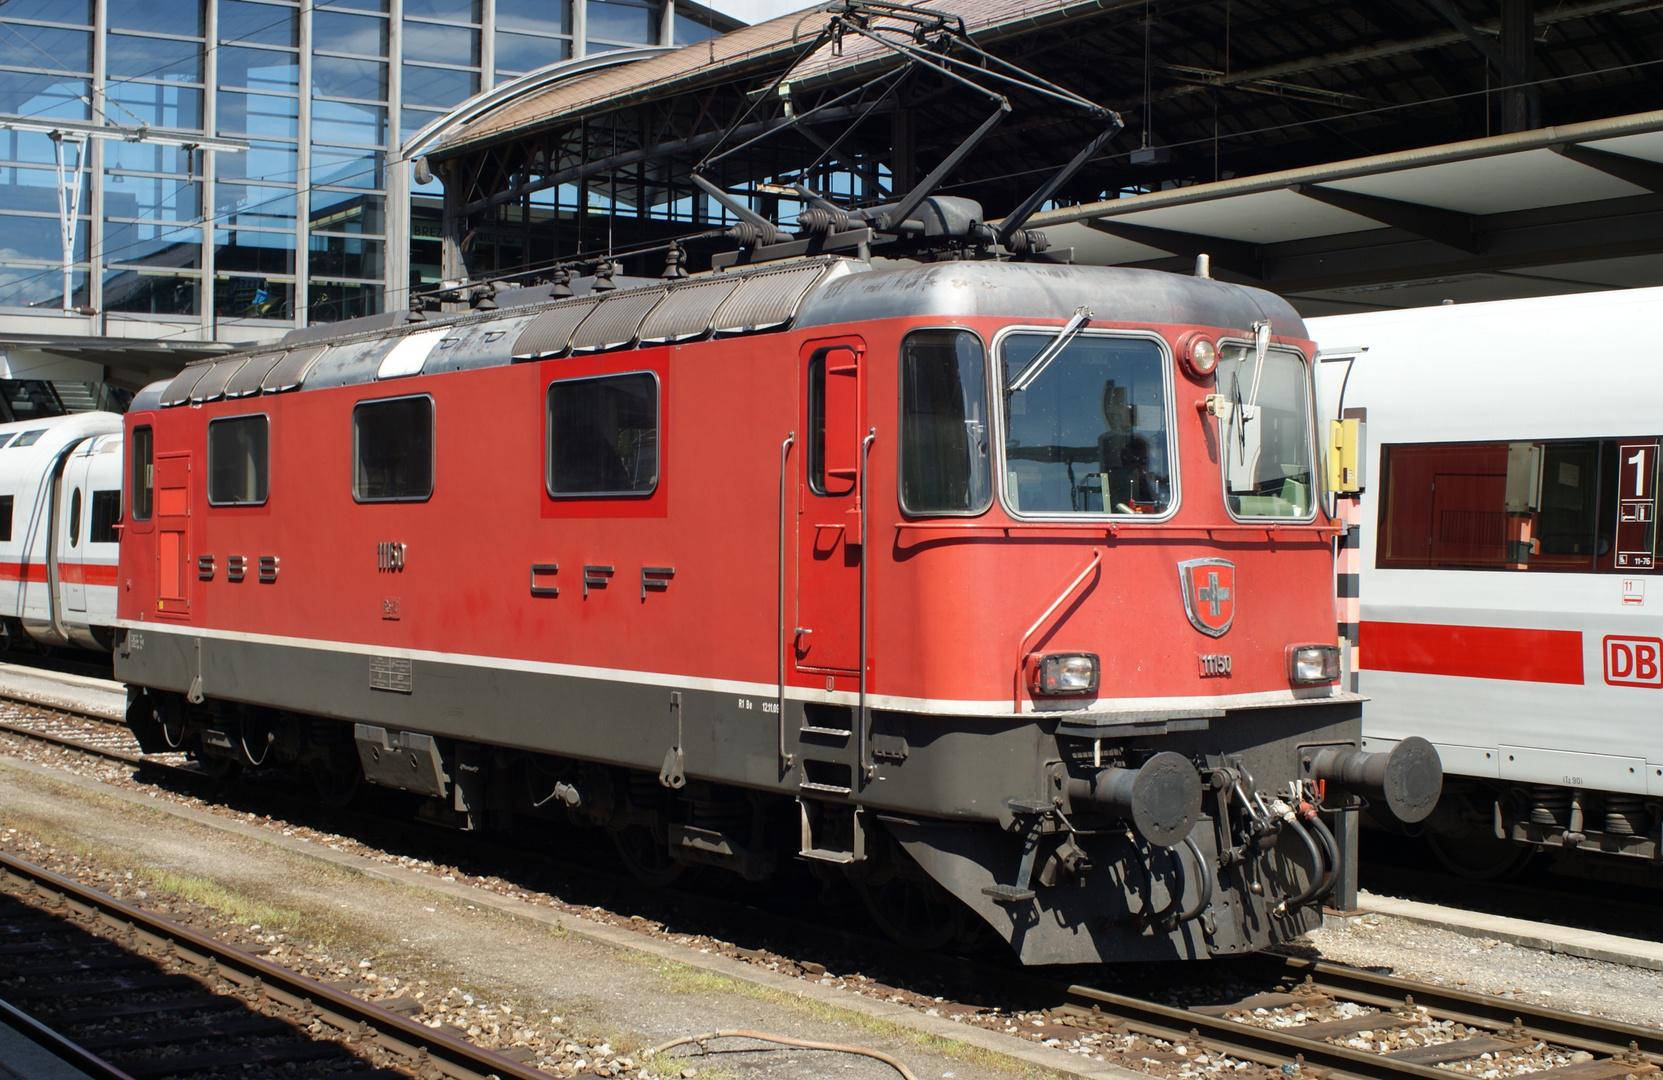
(1520,104)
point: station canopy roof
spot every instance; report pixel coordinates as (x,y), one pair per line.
(1350,155)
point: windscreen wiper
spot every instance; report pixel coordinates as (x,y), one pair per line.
(1037,366)
(1261,345)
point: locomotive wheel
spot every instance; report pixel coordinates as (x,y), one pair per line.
(917,913)
(1477,857)
(337,779)
(645,856)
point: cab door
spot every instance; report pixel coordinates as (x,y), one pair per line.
(827,631)
(173,531)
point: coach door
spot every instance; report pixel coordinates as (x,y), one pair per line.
(173,522)
(71,533)
(827,631)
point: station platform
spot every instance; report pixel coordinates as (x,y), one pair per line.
(21,1058)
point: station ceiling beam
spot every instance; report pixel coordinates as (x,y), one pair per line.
(1429,222)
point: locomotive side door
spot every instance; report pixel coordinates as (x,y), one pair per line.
(173,524)
(827,631)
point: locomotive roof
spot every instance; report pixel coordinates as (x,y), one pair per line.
(528,325)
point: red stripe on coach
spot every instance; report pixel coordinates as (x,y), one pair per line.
(1473,652)
(35,571)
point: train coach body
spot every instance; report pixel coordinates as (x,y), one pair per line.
(925,574)
(60,508)
(1510,609)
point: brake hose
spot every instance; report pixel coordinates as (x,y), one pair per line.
(1317,865)
(1328,843)
(1206,893)
(1176,896)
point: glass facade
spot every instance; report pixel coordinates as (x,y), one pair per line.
(294,231)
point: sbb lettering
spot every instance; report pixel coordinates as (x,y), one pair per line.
(1634,661)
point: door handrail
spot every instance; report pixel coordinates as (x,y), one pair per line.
(861,742)
(1022,646)
(787,760)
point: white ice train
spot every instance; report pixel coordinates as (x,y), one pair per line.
(1510,605)
(60,520)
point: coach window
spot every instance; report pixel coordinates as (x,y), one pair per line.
(75,518)
(6,518)
(1576,505)
(392,450)
(239,454)
(603,435)
(106,516)
(1265,438)
(144,472)
(944,430)
(1086,427)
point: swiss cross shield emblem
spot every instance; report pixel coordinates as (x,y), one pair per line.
(1209,594)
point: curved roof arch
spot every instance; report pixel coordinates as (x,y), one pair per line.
(518,89)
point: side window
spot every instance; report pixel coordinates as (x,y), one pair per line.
(75,518)
(144,472)
(106,515)
(944,431)
(6,518)
(392,450)
(1567,505)
(239,460)
(603,435)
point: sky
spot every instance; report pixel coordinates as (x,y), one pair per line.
(755,11)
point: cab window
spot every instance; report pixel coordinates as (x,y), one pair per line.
(144,472)
(1086,426)
(944,424)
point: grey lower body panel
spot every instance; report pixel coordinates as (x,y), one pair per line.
(950,791)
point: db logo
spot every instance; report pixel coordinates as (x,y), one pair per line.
(1634,661)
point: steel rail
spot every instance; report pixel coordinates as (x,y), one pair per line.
(256,977)
(1265,1046)
(1594,1034)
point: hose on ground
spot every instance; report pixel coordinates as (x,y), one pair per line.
(782,1040)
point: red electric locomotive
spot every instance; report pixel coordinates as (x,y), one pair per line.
(1002,588)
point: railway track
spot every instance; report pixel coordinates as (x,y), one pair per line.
(124,994)
(1311,1020)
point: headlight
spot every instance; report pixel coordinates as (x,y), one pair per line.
(1313,663)
(1066,675)
(1199,353)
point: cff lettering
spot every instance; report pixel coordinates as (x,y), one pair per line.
(1634,661)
